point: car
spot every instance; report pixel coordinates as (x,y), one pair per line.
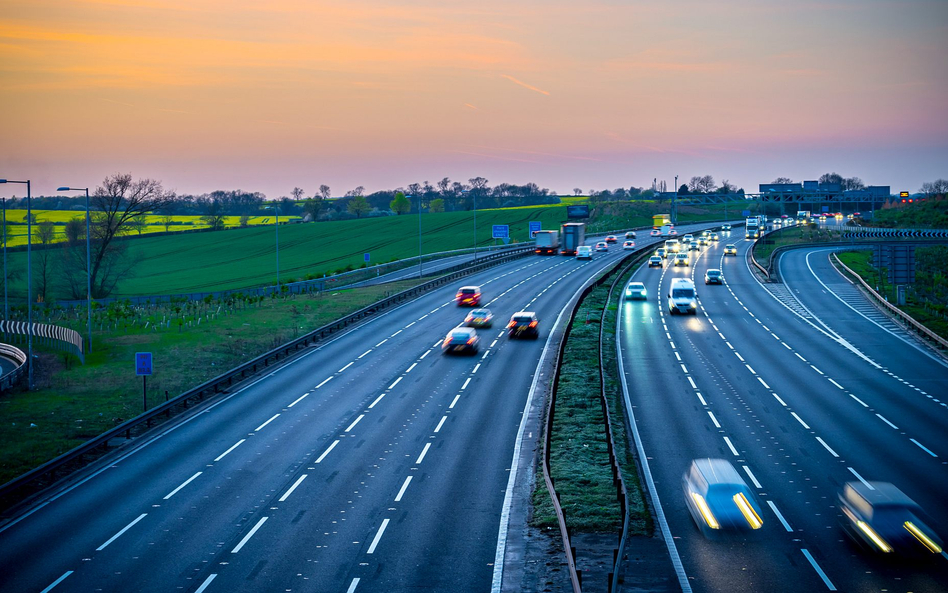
(715,237)
(461,340)
(689,237)
(584,252)
(881,518)
(655,233)
(730,249)
(705,233)
(468,296)
(660,252)
(681,259)
(713,276)
(611,239)
(628,245)
(718,498)
(630,235)
(523,324)
(703,240)
(635,290)
(479,318)
(725,227)
(693,247)
(655,262)
(784,216)
(601,246)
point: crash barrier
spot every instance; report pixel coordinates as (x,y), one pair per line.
(45,475)
(870,232)
(53,336)
(898,313)
(19,357)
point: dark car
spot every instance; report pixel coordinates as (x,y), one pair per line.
(461,340)
(523,324)
(713,276)
(468,296)
(880,517)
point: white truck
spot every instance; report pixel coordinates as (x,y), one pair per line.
(547,242)
(752,228)
(668,230)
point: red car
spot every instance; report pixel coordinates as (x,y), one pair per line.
(611,239)
(468,296)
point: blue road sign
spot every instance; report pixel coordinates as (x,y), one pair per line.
(535,225)
(142,363)
(501,231)
(746,213)
(365,256)
(826,208)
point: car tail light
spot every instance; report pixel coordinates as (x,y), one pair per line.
(471,340)
(511,324)
(533,324)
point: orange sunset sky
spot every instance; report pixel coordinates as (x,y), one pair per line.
(265,96)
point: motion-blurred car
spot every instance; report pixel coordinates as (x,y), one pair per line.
(630,235)
(584,252)
(718,498)
(523,324)
(660,252)
(636,290)
(611,239)
(655,233)
(715,237)
(601,246)
(655,262)
(693,246)
(479,318)
(713,276)
(689,237)
(628,245)
(725,227)
(681,259)
(730,249)
(880,517)
(468,296)
(702,240)
(461,340)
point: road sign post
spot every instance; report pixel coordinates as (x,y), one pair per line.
(533,227)
(143,368)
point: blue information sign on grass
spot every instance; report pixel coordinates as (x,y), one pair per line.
(534,226)
(501,231)
(142,363)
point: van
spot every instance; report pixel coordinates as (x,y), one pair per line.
(672,246)
(682,297)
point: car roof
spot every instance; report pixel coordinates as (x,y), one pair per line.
(524,314)
(472,287)
(718,471)
(463,330)
(636,284)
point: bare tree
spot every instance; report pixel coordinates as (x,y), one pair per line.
(701,185)
(214,215)
(325,192)
(297,194)
(853,183)
(727,187)
(933,188)
(577,191)
(832,178)
(782,180)
(166,222)
(43,260)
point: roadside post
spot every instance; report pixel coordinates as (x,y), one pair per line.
(143,369)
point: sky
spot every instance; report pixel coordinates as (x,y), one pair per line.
(593,94)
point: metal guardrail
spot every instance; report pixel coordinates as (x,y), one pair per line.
(41,477)
(13,353)
(902,315)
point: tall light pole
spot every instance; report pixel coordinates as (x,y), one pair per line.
(6,311)
(474,198)
(88,261)
(29,280)
(420,269)
(276,228)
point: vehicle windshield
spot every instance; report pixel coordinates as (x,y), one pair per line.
(683,293)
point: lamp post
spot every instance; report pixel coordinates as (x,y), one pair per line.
(29,280)
(88,261)
(276,228)
(420,269)
(6,311)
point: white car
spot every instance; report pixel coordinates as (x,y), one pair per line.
(601,246)
(628,245)
(584,252)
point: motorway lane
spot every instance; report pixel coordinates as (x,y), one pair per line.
(796,469)
(216,510)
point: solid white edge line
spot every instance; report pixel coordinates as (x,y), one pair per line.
(401,491)
(326,452)
(424,452)
(57,581)
(293,487)
(354,422)
(249,535)
(274,417)
(819,571)
(378,536)
(649,481)
(183,484)
(123,530)
(828,448)
(753,478)
(206,582)
(224,454)
(353,585)
(783,521)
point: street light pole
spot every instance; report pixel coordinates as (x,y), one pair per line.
(276,228)
(88,262)
(29,280)
(474,197)
(420,269)
(6,311)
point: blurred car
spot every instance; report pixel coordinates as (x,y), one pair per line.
(479,318)
(784,216)
(693,246)
(635,290)
(461,340)
(715,237)
(880,517)
(611,239)
(660,252)
(601,246)
(630,235)
(702,240)
(713,276)
(523,324)
(628,245)
(725,227)
(655,233)
(718,498)
(468,296)
(584,252)
(705,233)
(689,237)
(730,249)
(681,259)
(655,261)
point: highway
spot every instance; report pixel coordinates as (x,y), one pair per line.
(368,463)
(802,386)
